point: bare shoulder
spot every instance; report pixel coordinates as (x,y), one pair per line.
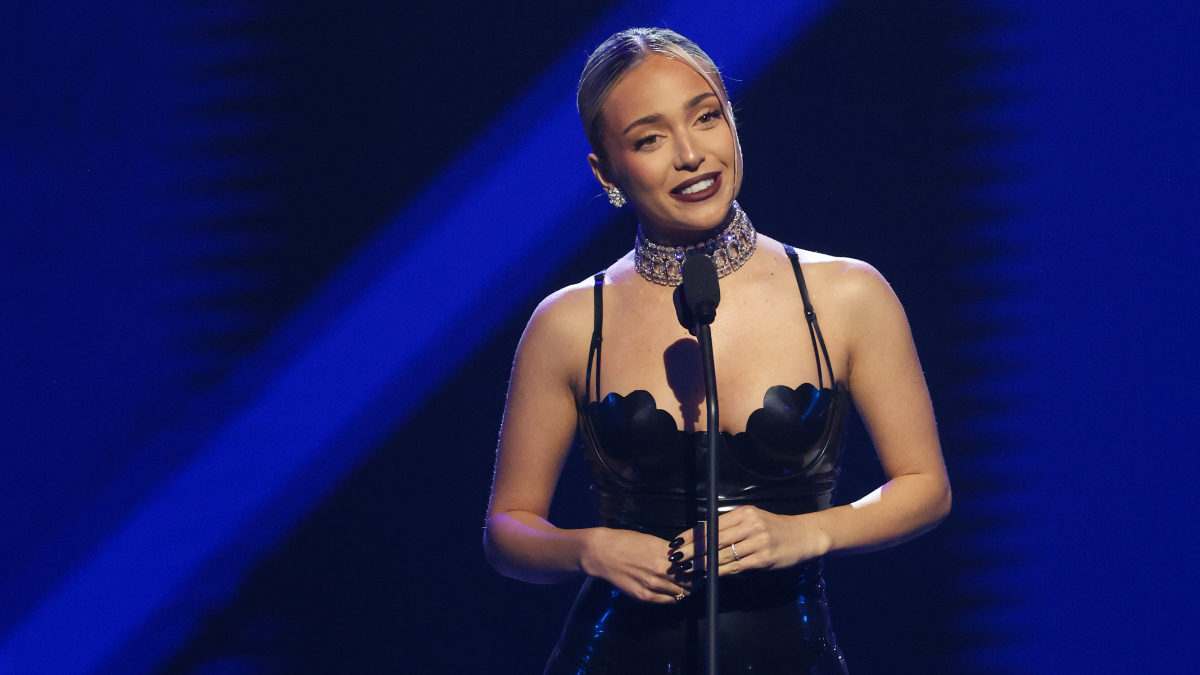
(564,312)
(847,282)
(555,341)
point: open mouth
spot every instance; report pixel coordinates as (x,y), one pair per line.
(698,188)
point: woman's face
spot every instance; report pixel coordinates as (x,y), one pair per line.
(670,150)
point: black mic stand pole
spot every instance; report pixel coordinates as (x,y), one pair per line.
(696,303)
(704,336)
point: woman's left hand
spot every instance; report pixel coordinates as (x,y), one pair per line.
(760,539)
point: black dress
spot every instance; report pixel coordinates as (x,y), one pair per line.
(649,477)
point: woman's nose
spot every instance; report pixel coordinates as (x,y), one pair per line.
(687,155)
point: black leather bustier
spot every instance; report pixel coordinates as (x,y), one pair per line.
(649,476)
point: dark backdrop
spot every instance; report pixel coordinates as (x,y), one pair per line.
(177,179)
(858,142)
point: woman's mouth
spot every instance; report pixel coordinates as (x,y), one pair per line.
(698,189)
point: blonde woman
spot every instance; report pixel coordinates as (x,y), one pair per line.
(655,111)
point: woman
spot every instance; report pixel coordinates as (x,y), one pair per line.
(655,111)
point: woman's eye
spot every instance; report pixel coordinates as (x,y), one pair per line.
(648,140)
(709,116)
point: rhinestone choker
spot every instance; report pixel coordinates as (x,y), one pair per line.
(729,250)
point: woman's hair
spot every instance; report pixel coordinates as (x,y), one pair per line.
(625,51)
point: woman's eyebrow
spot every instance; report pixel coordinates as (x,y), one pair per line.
(651,119)
(648,119)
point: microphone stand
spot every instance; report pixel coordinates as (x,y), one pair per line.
(704,336)
(696,302)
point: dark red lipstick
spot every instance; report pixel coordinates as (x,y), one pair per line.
(701,195)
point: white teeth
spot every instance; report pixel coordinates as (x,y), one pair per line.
(702,185)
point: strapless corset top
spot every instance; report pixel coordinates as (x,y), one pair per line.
(650,475)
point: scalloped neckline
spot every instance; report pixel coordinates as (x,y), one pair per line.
(833,392)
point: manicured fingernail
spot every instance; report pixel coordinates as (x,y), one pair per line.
(677,542)
(685,566)
(676,556)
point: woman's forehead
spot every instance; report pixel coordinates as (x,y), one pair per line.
(660,85)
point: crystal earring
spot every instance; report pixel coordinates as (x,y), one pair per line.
(615,196)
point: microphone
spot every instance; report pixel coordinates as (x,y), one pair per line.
(696,301)
(701,289)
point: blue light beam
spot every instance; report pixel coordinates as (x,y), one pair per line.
(405,327)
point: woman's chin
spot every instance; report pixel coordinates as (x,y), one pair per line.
(706,215)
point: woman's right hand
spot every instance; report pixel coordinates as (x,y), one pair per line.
(636,564)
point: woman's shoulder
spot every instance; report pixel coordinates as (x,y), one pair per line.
(575,304)
(843,280)
(565,316)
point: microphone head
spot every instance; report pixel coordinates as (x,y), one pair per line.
(682,312)
(701,290)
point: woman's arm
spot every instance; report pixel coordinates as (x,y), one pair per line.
(535,437)
(888,386)
(889,390)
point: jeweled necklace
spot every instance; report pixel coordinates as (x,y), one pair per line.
(729,250)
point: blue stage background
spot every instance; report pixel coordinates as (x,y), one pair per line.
(265,266)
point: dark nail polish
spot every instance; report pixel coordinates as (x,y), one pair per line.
(685,566)
(677,542)
(676,556)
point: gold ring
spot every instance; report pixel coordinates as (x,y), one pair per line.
(736,557)
(679,596)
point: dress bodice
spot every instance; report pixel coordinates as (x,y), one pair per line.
(650,476)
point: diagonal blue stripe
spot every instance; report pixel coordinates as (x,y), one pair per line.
(409,322)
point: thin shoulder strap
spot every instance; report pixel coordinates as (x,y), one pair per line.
(814,328)
(597,336)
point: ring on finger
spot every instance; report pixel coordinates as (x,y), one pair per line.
(680,596)
(736,557)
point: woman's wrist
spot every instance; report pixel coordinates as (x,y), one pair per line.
(824,541)
(810,535)
(588,545)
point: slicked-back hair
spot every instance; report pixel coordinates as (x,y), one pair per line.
(626,50)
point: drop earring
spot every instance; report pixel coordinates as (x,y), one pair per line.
(615,196)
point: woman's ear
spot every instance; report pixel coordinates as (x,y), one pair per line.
(600,171)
